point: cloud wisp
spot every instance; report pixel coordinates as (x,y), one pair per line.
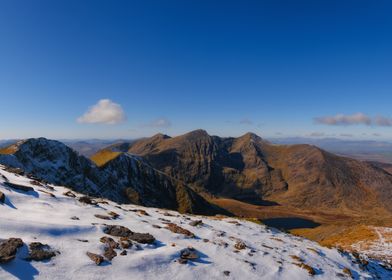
(159,123)
(355,119)
(104,112)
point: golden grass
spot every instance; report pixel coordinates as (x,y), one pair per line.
(8,150)
(351,236)
(104,156)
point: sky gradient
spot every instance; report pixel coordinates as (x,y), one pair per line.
(277,68)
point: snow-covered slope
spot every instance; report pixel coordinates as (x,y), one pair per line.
(126,178)
(224,248)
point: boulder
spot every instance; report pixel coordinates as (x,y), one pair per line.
(19,187)
(109,242)
(9,248)
(98,259)
(87,200)
(109,253)
(196,223)
(121,231)
(40,252)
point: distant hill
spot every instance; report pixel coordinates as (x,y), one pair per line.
(251,169)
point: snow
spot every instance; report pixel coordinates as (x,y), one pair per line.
(36,216)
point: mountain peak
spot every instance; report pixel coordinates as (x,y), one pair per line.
(160,136)
(197,133)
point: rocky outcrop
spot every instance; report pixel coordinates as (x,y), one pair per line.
(126,178)
(9,248)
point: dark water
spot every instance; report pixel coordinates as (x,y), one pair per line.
(290,223)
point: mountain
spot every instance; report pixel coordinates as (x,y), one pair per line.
(125,178)
(251,169)
(48,235)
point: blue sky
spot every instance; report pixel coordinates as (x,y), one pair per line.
(277,68)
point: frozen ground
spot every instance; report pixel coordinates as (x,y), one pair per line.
(268,253)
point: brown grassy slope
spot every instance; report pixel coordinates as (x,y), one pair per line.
(248,168)
(104,156)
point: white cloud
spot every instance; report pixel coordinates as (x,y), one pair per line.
(317,134)
(159,123)
(104,112)
(341,119)
(246,121)
(355,119)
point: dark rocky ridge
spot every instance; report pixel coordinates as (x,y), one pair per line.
(124,179)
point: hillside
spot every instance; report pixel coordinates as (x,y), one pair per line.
(253,170)
(125,178)
(66,244)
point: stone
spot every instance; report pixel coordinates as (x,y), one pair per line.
(121,231)
(177,229)
(40,252)
(87,200)
(240,245)
(196,223)
(9,248)
(124,253)
(189,254)
(98,259)
(19,187)
(103,217)
(109,242)
(109,253)
(69,194)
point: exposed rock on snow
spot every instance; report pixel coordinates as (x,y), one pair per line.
(40,252)
(8,249)
(157,253)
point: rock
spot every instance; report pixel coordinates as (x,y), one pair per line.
(196,223)
(189,254)
(114,215)
(19,187)
(40,252)
(69,194)
(87,200)
(240,245)
(35,183)
(109,242)
(125,243)
(124,253)
(9,248)
(14,170)
(226,273)
(103,217)
(109,253)
(121,231)
(156,226)
(82,240)
(144,238)
(74,218)
(183,261)
(118,231)
(143,212)
(48,193)
(98,259)
(2,197)
(177,229)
